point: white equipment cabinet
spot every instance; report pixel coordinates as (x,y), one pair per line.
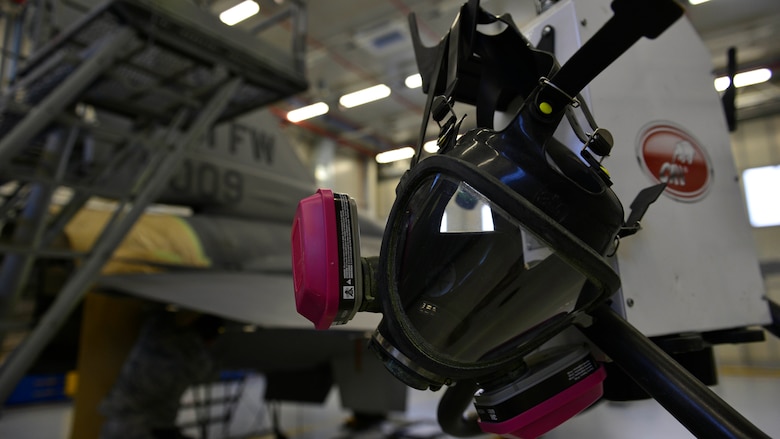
(693,266)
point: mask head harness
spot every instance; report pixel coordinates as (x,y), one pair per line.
(496,243)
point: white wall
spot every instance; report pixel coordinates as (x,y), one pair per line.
(340,169)
(388,176)
(757,143)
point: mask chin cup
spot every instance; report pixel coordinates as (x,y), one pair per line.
(559,383)
(402,367)
(327,268)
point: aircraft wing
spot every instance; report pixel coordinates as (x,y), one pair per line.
(262,299)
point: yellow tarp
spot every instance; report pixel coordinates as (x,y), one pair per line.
(162,239)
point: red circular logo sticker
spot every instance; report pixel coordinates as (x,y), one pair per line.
(668,154)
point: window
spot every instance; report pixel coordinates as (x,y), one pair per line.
(762,195)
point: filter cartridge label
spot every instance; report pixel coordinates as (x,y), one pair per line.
(346,252)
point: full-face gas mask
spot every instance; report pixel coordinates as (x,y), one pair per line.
(496,243)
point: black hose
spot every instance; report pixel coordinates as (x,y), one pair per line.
(452,406)
(633,20)
(697,407)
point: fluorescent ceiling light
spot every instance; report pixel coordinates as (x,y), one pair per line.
(744,79)
(394,155)
(239,12)
(308,112)
(431,146)
(722,83)
(413,81)
(761,195)
(365,96)
(697,2)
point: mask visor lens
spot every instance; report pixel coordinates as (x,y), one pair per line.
(473,282)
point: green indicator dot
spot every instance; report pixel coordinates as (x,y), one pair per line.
(545,108)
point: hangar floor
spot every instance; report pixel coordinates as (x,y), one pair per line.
(753,393)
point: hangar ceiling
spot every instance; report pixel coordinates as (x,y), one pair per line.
(352,45)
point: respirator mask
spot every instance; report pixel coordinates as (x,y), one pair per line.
(495,244)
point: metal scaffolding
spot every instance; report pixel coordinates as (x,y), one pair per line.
(159,75)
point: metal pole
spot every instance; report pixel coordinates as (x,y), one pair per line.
(43,113)
(24,355)
(692,403)
(41,13)
(271,21)
(15,267)
(300,26)
(80,197)
(4,50)
(17,43)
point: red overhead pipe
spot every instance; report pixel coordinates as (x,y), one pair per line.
(347,64)
(282,115)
